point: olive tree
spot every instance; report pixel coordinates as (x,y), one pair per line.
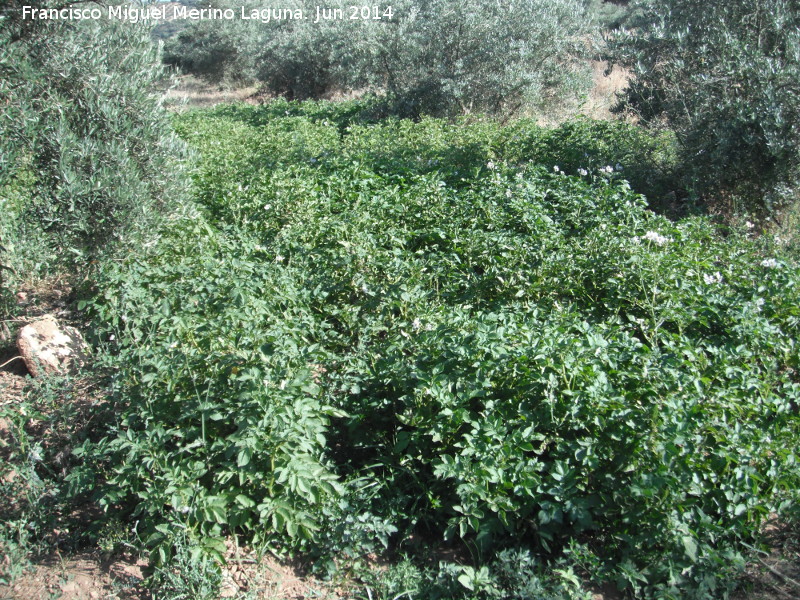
(725,76)
(83,123)
(440,57)
(449,57)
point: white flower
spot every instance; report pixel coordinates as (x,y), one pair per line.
(769,263)
(490,165)
(618,167)
(635,240)
(509,194)
(656,238)
(556,169)
(749,225)
(712,279)
(416,324)
(279,258)
(583,172)
(607,169)
(429,327)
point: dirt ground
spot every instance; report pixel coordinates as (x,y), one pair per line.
(191,92)
(603,95)
(774,574)
(80,577)
(89,576)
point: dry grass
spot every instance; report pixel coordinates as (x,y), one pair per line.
(604,90)
(192,92)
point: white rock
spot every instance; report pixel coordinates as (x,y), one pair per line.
(46,345)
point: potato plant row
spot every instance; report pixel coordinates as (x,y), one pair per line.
(386,337)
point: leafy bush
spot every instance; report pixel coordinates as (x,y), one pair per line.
(218,50)
(611,14)
(190,574)
(444,345)
(433,57)
(44,475)
(646,160)
(85,122)
(445,58)
(724,76)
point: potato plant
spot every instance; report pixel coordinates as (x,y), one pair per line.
(374,333)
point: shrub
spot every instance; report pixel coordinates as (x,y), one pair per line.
(219,51)
(724,76)
(446,58)
(646,159)
(85,122)
(435,57)
(611,14)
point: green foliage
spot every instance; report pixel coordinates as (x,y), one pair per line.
(44,474)
(446,58)
(84,121)
(513,574)
(647,160)
(372,333)
(190,574)
(611,14)
(432,57)
(217,50)
(724,76)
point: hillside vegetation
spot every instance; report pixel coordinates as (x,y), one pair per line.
(464,357)
(369,334)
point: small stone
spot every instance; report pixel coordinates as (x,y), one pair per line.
(228,589)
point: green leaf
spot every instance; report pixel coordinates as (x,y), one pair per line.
(690,546)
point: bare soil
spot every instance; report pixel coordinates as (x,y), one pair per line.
(605,87)
(775,573)
(79,577)
(90,576)
(191,92)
